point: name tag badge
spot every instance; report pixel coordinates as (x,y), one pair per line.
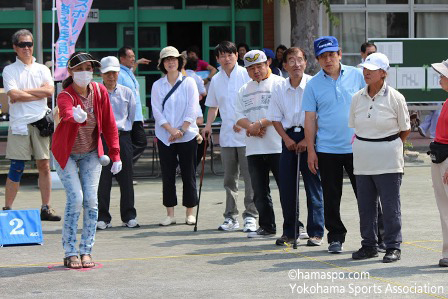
(297,129)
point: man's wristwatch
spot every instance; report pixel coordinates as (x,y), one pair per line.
(183,132)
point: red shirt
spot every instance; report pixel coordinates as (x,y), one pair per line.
(442,125)
(67,130)
(202,65)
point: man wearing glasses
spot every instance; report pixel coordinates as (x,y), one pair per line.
(27,84)
(127,78)
(286,113)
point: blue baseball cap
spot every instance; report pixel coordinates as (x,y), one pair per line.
(269,53)
(325,44)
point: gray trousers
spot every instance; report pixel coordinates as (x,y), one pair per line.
(234,162)
(387,187)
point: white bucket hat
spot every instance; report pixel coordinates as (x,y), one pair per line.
(441,67)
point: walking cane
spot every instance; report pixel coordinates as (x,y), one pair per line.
(296,212)
(201,178)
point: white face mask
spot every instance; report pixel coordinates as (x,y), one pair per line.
(83,78)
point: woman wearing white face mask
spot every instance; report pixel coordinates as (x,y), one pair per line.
(85,113)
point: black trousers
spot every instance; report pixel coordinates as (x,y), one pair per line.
(139,141)
(124,178)
(386,187)
(184,155)
(259,167)
(331,168)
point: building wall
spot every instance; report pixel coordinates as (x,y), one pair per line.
(282,23)
(268,24)
(373,19)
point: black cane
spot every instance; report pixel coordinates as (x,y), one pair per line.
(201,178)
(296,212)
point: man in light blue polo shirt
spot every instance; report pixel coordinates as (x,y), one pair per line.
(326,102)
(126,77)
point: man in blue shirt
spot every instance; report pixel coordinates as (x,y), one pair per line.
(326,102)
(126,77)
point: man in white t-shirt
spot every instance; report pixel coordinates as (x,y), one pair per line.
(222,94)
(263,144)
(27,84)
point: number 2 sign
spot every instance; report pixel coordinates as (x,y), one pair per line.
(19,227)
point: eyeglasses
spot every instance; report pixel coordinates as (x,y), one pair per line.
(25,44)
(293,62)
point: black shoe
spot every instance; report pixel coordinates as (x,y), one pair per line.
(392,255)
(382,247)
(365,252)
(48,214)
(285,241)
(6,208)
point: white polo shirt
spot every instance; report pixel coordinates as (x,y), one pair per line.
(253,102)
(223,93)
(181,106)
(384,115)
(20,76)
(286,103)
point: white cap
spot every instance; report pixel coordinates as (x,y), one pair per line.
(441,67)
(110,63)
(254,57)
(376,61)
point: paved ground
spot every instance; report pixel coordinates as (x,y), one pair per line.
(161,262)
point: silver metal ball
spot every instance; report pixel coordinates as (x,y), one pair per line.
(104,160)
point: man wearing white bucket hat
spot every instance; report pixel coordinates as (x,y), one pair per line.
(263,144)
(380,117)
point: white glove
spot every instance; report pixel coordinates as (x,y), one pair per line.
(116,167)
(79,114)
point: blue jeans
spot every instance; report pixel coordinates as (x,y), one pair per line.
(313,189)
(80,178)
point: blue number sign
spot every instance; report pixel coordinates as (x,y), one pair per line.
(20,227)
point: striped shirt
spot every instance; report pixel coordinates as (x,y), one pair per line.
(86,140)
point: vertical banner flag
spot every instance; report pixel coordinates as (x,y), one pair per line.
(72,15)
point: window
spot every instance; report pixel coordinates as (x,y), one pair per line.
(160,4)
(113,5)
(351,31)
(102,35)
(431,24)
(391,24)
(218,34)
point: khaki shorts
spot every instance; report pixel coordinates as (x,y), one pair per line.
(20,147)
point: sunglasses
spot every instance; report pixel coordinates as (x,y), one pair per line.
(25,44)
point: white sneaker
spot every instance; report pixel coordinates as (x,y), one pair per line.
(103,225)
(167,221)
(303,234)
(250,225)
(190,220)
(131,223)
(229,224)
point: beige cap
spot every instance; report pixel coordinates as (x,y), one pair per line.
(441,67)
(168,52)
